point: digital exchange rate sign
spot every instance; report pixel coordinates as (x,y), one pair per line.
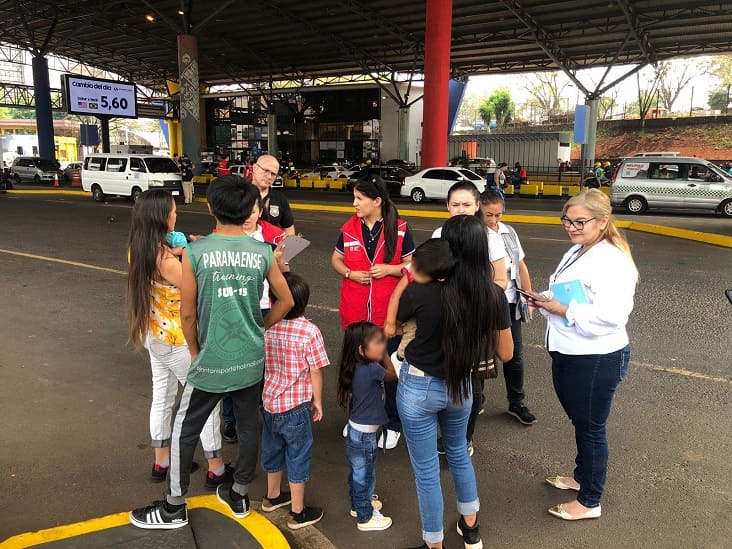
(97,97)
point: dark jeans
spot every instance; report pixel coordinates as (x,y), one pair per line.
(390,390)
(478,386)
(193,411)
(361,451)
(513,370)
(585,385)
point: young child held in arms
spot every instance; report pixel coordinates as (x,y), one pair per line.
(424,268)
(293,391)
(360,386)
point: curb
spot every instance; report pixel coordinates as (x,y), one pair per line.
(662,230)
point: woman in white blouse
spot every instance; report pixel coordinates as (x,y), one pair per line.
(593,289)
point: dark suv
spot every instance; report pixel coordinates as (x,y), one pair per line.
(392,175)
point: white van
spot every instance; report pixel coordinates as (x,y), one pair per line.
(129,175)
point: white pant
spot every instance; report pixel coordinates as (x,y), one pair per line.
(169,365)
(187,191)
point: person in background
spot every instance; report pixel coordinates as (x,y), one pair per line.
(223,167)
(292,398)
(492,206)
(497,180)
(275,206)
(223,280)
(153,296)
(363,369)
(187,168)
(462,323)
(372,249)
(588,341)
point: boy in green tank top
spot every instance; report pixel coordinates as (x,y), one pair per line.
(223,281)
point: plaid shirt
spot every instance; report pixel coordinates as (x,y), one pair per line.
(294,348)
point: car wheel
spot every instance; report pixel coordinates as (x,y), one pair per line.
(417,195)
(725,208)
(636,205)
(136,194)
(37,180)
(97,194)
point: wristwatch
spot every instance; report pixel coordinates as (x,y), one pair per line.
(347,274)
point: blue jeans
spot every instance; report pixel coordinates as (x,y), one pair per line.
(361,451)
(423,403)
(390,391)
(287,441)
(585,385)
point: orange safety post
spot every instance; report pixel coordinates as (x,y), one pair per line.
(76,178)
(55,180)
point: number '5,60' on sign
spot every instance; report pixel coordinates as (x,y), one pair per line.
(97,97)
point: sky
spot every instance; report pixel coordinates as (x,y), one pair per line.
(516,83)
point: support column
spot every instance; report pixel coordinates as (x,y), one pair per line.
(104,121)
(438,38)
(403,131)
(272,134)
(44,115)
(593,113)
(190,110)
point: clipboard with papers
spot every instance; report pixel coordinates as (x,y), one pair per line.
(569,291)
(292,246)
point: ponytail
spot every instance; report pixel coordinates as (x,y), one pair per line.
(375,187)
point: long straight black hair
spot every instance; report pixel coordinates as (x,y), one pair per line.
(470,303)
(357,337)
(148,233)
(375,187)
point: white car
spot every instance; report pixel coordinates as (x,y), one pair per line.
(333,172)
(433,183)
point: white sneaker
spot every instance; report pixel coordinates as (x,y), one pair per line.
(375,503)
(345,431)
(471,450)
(392,439)
(377,523)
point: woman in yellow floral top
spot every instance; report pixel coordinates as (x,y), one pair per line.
(153,296)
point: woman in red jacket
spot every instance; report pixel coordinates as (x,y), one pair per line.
(372,249)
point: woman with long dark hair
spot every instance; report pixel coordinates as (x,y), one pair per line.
(153,299)
(372,249)
(435,380)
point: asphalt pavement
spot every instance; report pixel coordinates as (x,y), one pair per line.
(75,397)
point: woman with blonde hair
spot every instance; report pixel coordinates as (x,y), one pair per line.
(593,289)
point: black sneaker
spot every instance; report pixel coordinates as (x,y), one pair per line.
(230,432)
(522,413)
(425,546)
(240,506)
(471,536)
(308,517)
(157,517)
(272,504)
(159,474)
(213,480)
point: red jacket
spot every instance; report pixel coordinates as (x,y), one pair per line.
(367,302)
(271,233)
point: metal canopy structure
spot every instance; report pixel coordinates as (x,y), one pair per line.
(259,41)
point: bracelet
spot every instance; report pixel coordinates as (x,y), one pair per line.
(347,274)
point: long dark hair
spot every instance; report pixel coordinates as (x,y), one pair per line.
(375,187)
(148,231)
(470,304)
(357,337)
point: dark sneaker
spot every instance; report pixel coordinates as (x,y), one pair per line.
(425,546)
(159,474)
(240,506)
(308,517)
(230,433)
(471,536)
(522,413)
(157,517)
(213,480)
(272,504)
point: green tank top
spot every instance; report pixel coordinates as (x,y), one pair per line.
(230,271)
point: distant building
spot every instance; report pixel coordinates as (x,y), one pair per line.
(20,138)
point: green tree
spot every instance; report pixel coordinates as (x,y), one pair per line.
(607,105)
(499,107)
(720,68)
(546,91)
(719,99)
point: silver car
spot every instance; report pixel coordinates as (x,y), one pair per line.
(34,169)
(641,183)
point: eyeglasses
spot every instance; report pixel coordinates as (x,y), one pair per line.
(578,224)
(266,171)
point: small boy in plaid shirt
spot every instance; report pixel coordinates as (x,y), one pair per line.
(293,392)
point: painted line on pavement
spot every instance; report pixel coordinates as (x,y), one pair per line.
(261,529)
(676,371)
(668,369)
(49,192)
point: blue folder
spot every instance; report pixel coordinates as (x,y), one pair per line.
(566,292)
